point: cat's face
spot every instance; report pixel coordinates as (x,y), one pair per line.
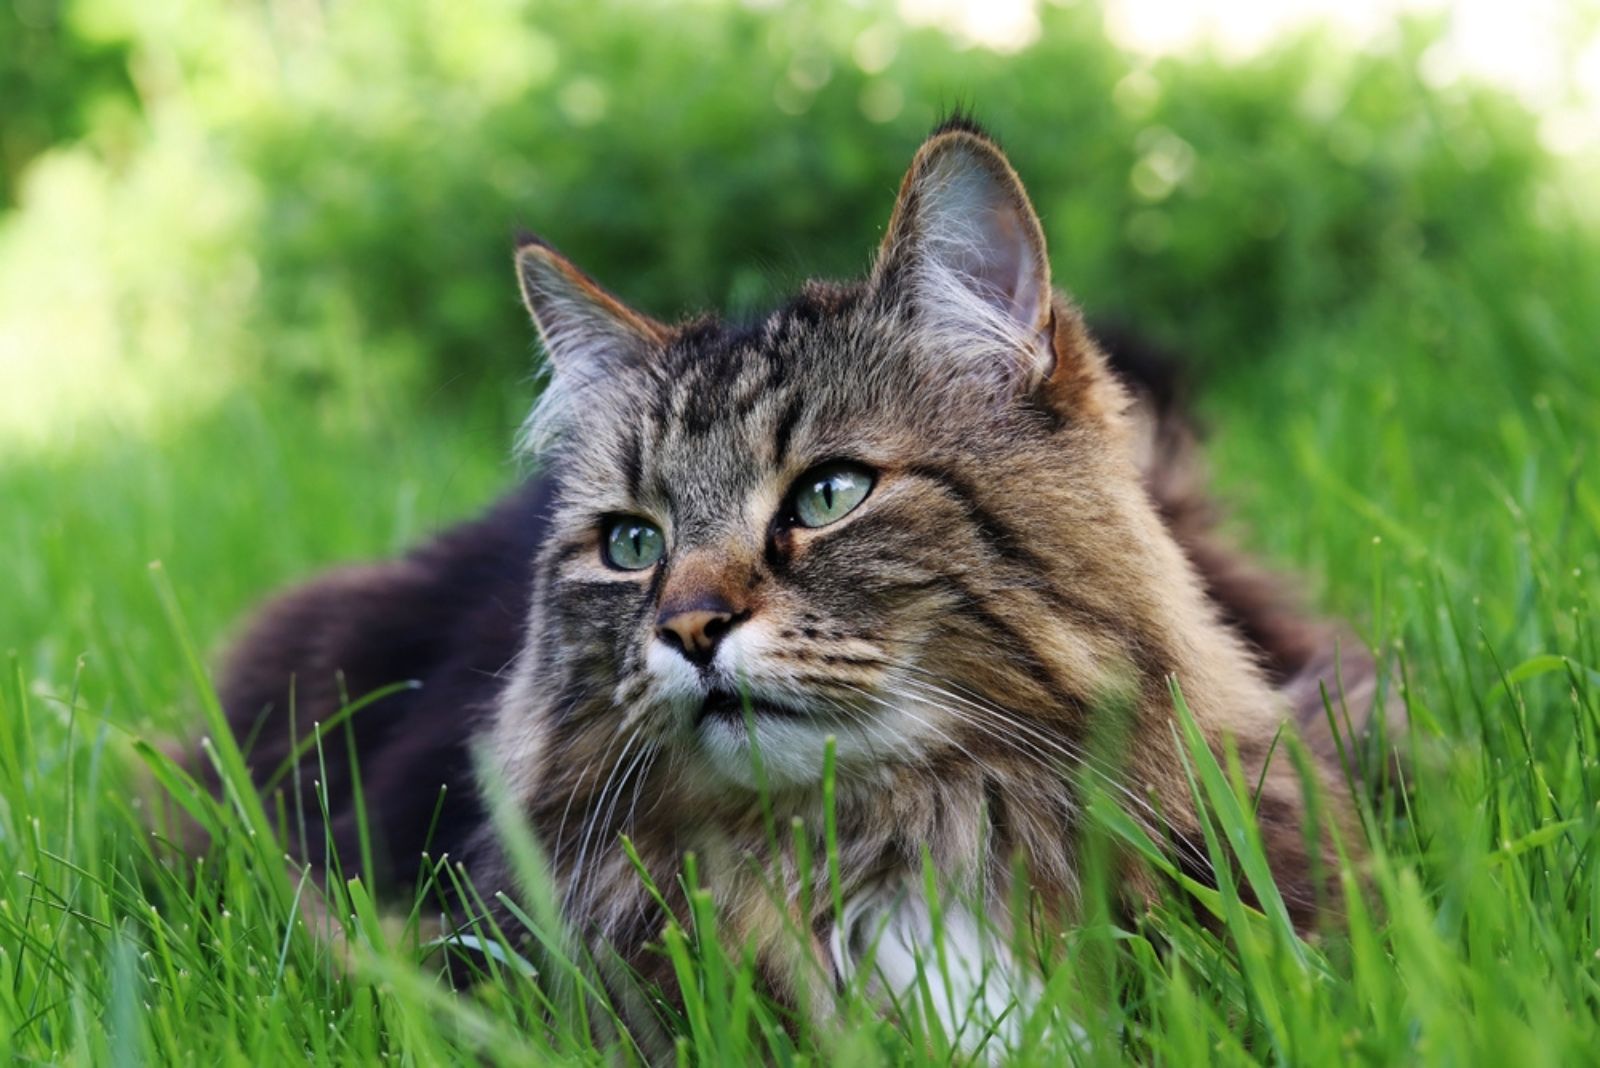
(842,521)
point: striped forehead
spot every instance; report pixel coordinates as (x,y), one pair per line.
(709,433)
(722,423)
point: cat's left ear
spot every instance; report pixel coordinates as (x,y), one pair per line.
(965,248)
(585,329)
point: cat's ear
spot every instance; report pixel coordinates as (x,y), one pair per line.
(584,328)
(965,249)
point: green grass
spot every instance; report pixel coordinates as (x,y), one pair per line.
(1423,450)
(1431,460)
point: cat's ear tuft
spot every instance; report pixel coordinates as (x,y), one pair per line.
(584,328)
(965,249)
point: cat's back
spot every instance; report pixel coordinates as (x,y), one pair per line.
(438,626)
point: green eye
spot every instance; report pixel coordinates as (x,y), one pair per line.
(829,492)
(633,544)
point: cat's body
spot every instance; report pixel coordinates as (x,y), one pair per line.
(919,514)
(449,616)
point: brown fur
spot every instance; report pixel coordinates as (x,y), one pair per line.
(1035,562)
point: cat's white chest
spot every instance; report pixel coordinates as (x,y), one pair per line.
(945,961)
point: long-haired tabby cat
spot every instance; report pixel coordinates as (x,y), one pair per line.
(924,514)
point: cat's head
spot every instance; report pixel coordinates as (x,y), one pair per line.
(894,512)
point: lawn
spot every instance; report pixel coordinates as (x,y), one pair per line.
(1400,369)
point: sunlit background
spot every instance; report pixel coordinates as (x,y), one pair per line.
(1545,51)
(199,199)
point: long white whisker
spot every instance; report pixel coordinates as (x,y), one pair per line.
(918,719)
(577,788)
(604,826)
(591,821)
(638,785)
(1075,756)
(863,727)
(978,703)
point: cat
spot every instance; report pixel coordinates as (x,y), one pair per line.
(925,515)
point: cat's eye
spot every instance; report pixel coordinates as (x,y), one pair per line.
(633,544)
(829,492)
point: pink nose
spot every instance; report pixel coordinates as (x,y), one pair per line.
(695,629)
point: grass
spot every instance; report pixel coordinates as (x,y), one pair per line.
(1429,458)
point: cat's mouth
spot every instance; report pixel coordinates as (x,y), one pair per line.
(726,706)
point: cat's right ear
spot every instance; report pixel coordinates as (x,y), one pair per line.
(585,329)
(965,253)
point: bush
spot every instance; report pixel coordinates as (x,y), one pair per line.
(377,157)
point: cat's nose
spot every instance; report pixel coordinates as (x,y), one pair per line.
(694,628)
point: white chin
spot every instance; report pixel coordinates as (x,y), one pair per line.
(791,748)
(790,751)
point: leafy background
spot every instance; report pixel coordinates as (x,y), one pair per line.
(257,315)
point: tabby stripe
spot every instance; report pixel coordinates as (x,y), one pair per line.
(1005,543)
(785,430)
(632,464)
(594,603)
(846,660)
(1000,538)
(973,609)
(776,369)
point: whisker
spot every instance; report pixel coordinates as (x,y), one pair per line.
(638,786)
(1075,756)
(572,796)
(605,826)
(592,817)
(925,723)
(863,728)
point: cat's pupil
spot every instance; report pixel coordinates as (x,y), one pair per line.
(827,494)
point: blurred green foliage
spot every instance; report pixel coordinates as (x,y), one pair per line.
(58,80)
(318,194)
